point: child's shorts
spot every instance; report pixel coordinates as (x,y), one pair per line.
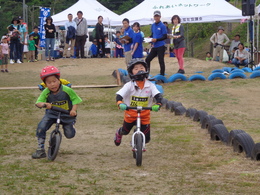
(1,61)
(107,50)
(5,59)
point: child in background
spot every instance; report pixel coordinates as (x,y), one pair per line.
(4,52)
(58,95)
(119,46)
(208,56)
(94,49)
(107,46)
(138,92)
(36,38)
(137,50)
(31,47)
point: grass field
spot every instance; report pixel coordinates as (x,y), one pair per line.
(180,159)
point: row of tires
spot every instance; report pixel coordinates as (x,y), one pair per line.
(241,141)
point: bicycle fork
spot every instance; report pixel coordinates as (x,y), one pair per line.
(138,131)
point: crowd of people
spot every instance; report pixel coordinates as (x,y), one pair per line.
(237,53)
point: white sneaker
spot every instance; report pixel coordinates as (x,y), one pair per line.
(18,61)
(11,61)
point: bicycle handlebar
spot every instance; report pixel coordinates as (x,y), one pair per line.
(139,108)
(60,110)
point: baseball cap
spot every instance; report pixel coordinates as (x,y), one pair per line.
(157,13)
(20,18)
(220,28)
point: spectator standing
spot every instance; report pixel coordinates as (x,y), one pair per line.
(70,28)
(15,53)
(218,39)
(36,38)
(137,51)
(168,40)
(159,34)
(241,56)
(81,34)
(23,33)
(128,31)
(4,52)
(100,37)
(49,38)
(178,41)
(118,44)
(234,46)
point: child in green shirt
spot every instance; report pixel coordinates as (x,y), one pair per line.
(31,48)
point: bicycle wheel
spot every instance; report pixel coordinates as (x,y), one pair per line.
(139,149)
(54,145)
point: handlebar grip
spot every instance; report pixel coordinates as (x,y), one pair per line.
(60,110)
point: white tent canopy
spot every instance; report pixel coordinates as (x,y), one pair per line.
(91,10)
(190,11)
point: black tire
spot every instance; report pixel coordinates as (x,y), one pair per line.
(256,152)
(139,149)
(190,112)
(205,121)
(199,116)
(214,122)
(54,145)
(219,132)
(232,134)
(243,142)
(169,105)
(180,110)
(125,79)
(175,105)
(164,102)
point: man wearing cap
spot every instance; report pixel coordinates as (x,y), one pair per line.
(159,34)
(218,39)
(23,30)
(81,34)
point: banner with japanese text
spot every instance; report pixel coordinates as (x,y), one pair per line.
(44,13)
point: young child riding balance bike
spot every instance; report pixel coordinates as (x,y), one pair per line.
(60,96)
(137,92)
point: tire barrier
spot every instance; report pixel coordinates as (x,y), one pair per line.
(159,78)
(237,75)
(177,76)
(254,74)
(213,122)
(243,142)
(237,70)
(219,132)
(169,105)
(197,77)
(175,105)
(125,79)
(190,112)
(246,69)
(180,110)
(256,152)
(216,75)
(164,102)
(218,71)
(199,115)
(256,68)
(205,121)
(232,134)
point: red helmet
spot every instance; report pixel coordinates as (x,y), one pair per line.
(48,71)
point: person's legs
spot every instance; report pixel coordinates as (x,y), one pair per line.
(124,130)
(128,57)
(21,51)
(161,52)
(215,53)
(65,51)
(77,45)
(82,42)
(69,130)
(179,54)
(47,46)
(52,42)
(36,53)
(146,130)
(72,44)
(11,51)
(235,62)
(221,51)
(150,57)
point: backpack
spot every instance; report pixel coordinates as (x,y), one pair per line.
(15,35)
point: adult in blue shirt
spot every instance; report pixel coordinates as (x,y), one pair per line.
(137,51)
(128,31)
(159,34)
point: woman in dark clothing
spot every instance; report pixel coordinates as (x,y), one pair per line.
(49,38)
(100,36)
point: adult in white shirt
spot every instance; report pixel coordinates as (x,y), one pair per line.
(241,56)
(218,39)
(70,28)
(234,46)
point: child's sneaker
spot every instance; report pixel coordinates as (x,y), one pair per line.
(6,70)
(117,138)
(2,71)
(39,153)
(18,61)
(11,61)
